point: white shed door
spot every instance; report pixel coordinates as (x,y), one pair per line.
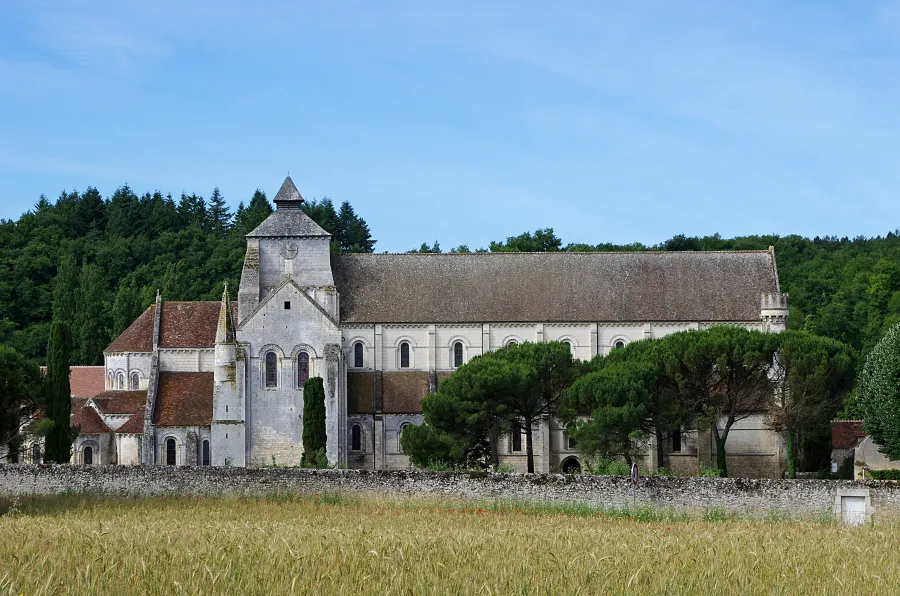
(853,510)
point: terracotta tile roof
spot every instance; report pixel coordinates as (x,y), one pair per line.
(121,402)
(189,324)
(138,337)
(184,399)
(403,391)
(845,434)
(134,425)
(553,287)
(360,392)
(87,419)
(84,381)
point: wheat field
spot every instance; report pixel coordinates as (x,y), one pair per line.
(340,545)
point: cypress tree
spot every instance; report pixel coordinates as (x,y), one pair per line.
(58,394)
(64,287)
(89,317)
(314,438)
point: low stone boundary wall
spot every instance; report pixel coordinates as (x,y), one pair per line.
(795,497)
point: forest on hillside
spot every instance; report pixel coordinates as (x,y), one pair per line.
(128,246)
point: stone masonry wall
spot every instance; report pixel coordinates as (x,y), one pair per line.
(795,497)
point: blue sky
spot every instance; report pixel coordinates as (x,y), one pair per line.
(468,122)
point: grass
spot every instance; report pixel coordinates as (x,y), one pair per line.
(339,544)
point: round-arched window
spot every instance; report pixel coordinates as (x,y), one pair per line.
(120,381)
(511,343)
(88,456)
(135,382)
(302,368)
(358,354)
(356,438)
(271,369)
(404,355)
(620,343)
(457,354)
(171,452)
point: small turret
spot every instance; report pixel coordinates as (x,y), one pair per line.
(774,311)
(225,341)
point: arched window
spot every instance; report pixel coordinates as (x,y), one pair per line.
(568,345)
(109,381)
(516,438)
(205,454)
(135,382)
(356,438)
(88,456)
(171,452)
(511,343)
(120,381)
(403,427)
(302,368)
(271,369)
(404,355)
(457,354)
(358,354)
(620,343)
(35,454)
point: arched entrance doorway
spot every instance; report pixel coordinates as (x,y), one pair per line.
(571,465)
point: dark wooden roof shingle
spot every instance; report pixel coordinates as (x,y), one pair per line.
(553,287)
(184,399)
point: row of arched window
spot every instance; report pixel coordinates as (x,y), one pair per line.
(356,436)
(270,365)
(172,452)
(117,381)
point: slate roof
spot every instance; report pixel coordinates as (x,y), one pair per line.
(121,402)
(553,287)
(138,337)
(184,399)
(845,434)
(134,425)
(182,325)
(288,220)
(87,418)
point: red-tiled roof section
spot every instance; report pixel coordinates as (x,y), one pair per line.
(87,419)
(134,425)
(189,324)
(84,381)
(138,337)
(121,402)
(845,434)
(184,399)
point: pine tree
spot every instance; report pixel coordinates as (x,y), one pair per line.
(219,214)
(314,438)
(174,286)
(58,394)
(91,334)
(254,214)
(355,233)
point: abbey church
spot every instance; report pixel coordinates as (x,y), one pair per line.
(221,383)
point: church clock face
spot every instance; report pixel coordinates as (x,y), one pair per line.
(289,251)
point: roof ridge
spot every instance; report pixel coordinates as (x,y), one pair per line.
(554,252)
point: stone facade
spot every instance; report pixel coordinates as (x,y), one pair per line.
(382,331)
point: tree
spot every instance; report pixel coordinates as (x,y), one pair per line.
(878,391)
(541,241)
(811,376)
(127,306)
(314,437)
(551,370)
(355,234)
(635,398)
(219,213)
(256,212)
(89,316)
(20,386)
(615,400)
(65,285)
(425,249)
(723,377)
(58,401)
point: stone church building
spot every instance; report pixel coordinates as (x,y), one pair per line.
(221,383)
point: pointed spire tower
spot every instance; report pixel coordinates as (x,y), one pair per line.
(225,327)
(288,244)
